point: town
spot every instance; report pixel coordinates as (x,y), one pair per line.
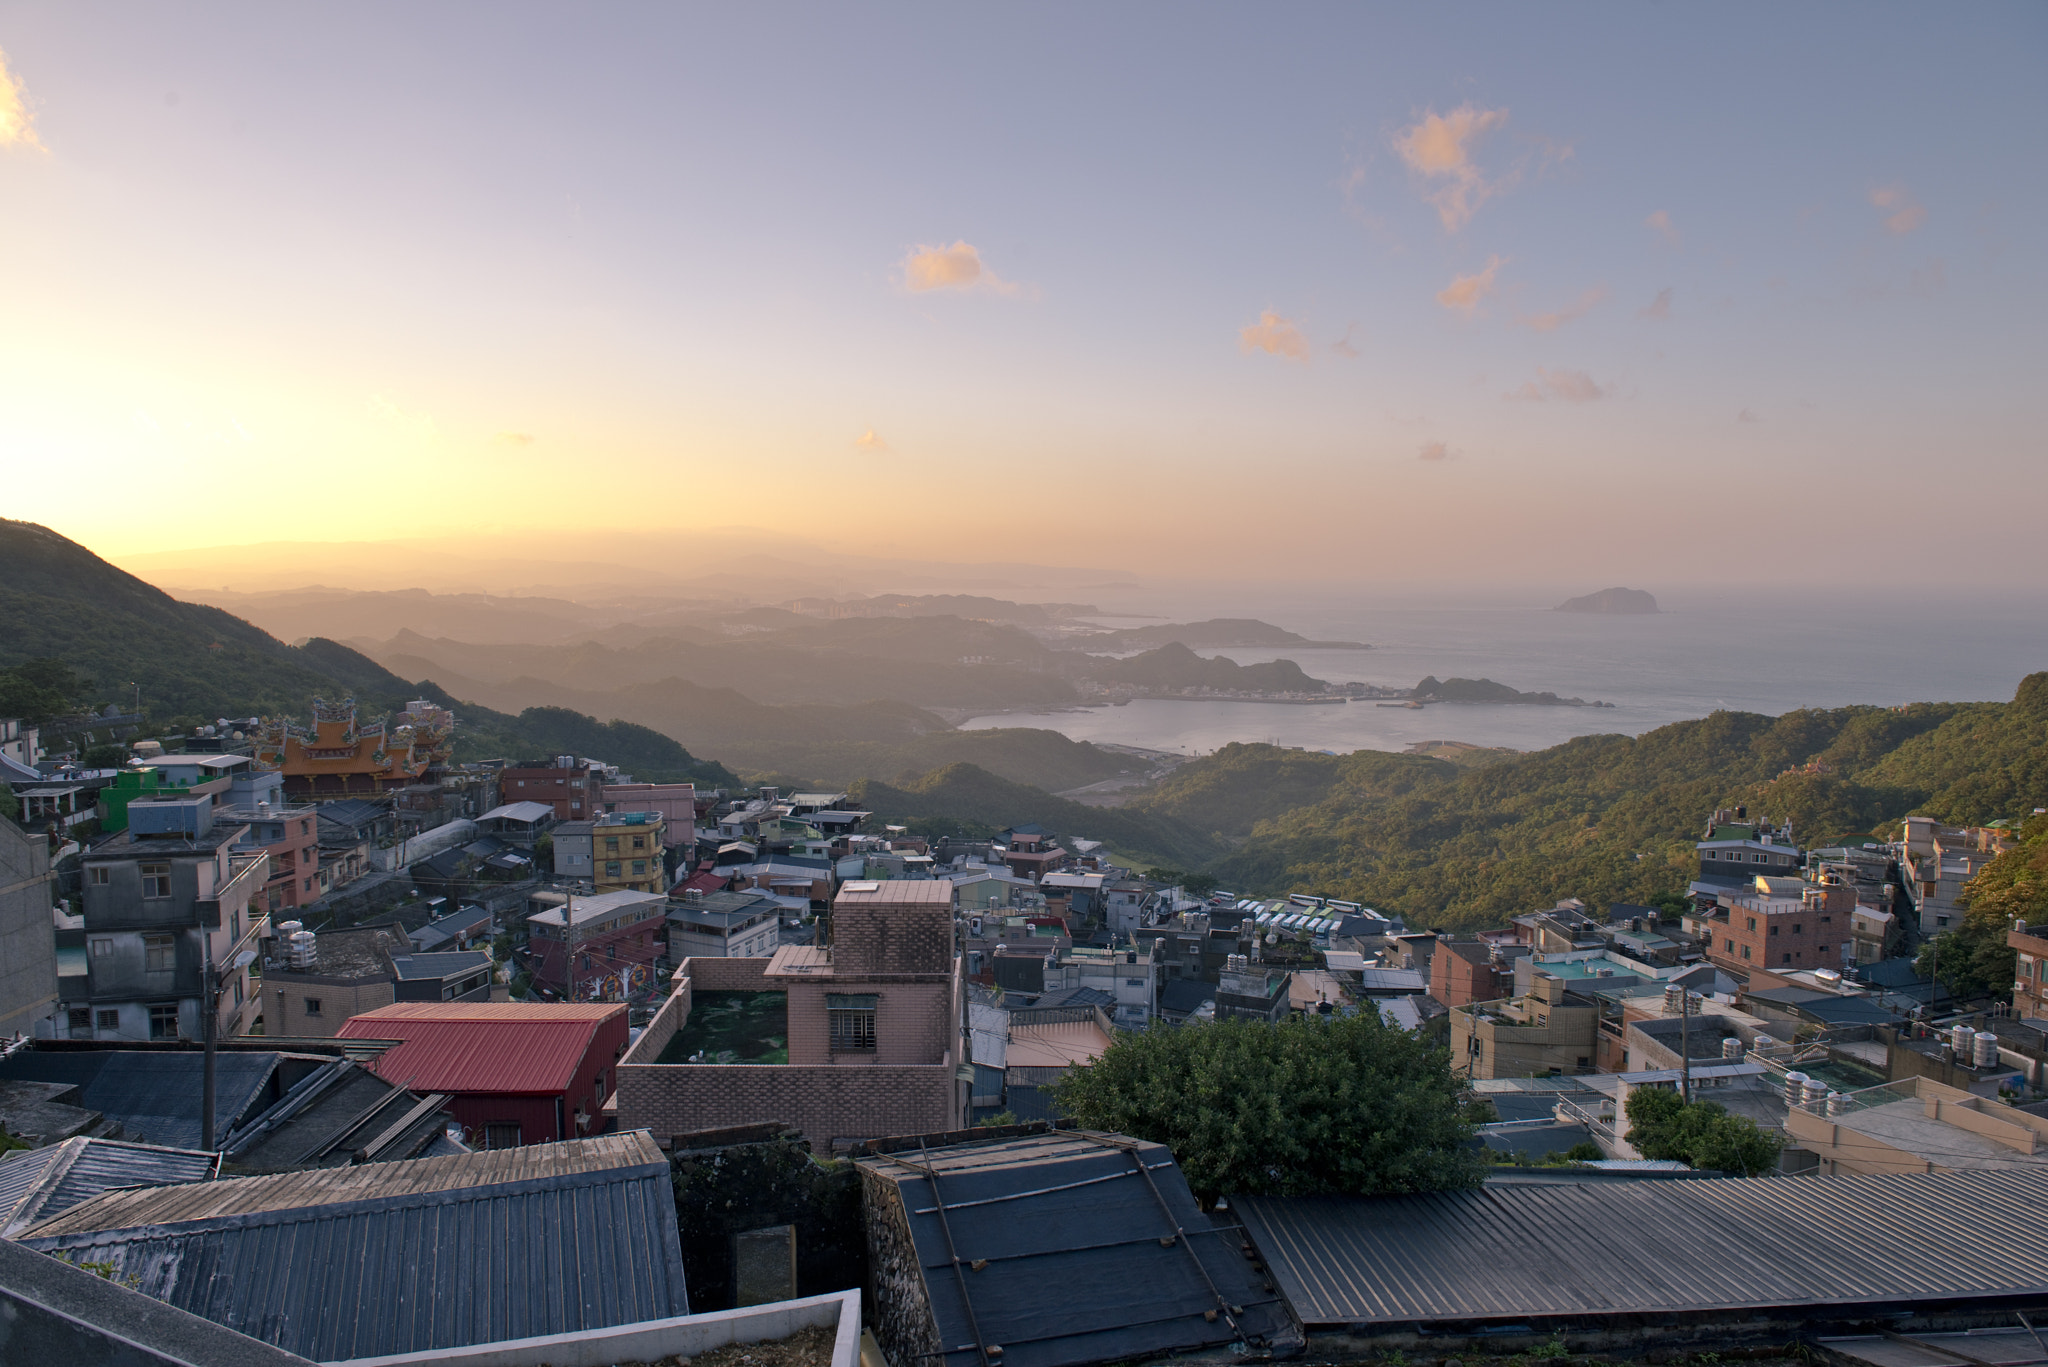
(280,978)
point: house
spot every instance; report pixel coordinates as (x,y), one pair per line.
(626,852)
(1083,1247)
(573,854)
(568,785)
(618,937)
(401,1257)
(161,902)
(1936,860)
(41,1184)
(1549,1030)
(1783,923)
(1919,1126)
(871,1028)
(522,823)
(465,928)
(291,837)
(19,742)
(28,943)
(1251,991)
(723,925)
(514,1072)
(1127,974)
(1735,849)
(153,1095)
(312,986)
(1462,971)
(1030,852)
(674,803)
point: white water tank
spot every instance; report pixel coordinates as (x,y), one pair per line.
(1816,1091)
(285,928)
(1837,1103)
(1731,1049)
(1795,1087)
(1986,1054)
(1761,1044)
(1961,1038)
(301,950)
(1674,1000)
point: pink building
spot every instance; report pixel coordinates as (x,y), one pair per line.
(677,803)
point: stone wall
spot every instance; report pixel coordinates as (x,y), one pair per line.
(899,1306)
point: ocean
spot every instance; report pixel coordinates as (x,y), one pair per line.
(1753,653)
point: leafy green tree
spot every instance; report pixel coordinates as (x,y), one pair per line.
(37,690)
(104,756)
(1701,1134)
(1315,1104)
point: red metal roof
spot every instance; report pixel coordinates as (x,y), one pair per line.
(525,1047)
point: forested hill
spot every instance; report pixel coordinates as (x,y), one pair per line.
(1606,818)
(59,601)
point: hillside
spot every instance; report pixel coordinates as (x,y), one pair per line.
(1175,666)
(1215,634)
(1623,601)
(1613,818)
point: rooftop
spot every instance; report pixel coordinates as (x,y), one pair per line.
(41,1184)
(153,1094)
(601,905)
(1056,1044)
(513,1047)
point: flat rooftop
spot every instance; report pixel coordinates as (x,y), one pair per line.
(892,892)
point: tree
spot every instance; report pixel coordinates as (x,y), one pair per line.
(104,756)
(37,690)
(1317,1104)
(1700,1134)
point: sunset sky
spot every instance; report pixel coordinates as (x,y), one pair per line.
(1744,292)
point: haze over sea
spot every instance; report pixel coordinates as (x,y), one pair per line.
(1754,652)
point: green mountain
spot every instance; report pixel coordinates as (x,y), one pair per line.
(1175,666)
(59,601)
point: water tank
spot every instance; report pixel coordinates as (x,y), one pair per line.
(301,950)
(1986,1054)
(1837,1103)
(1761,1044)
(1962,1039)
(1731,1049)
(1674,1000)
(1795,1087)
(1816,1091)
(285,928)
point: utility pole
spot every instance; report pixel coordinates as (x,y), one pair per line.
(569,944)
(209,1002)
(1685,1044)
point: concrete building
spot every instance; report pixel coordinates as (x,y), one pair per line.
(872,1023)
(345,973)
(1127,972)
(1918,1125)
(1736,849)
(160,902)
(674,803)
(723,925)
(1463,971)
(562,781)
(291,837)
(1936,860)
(1250,991)
(1784,924)
(28,939)
(619,936)
(626,852)
(1549,1030)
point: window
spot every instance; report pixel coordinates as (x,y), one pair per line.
(852,1022)
(312,1006)
(1752,924)
(1776,929)
(159,953)
(611,868)
(156,880)
(108,1020)
(1745,951)
(102,947)
(611,844)
(1786,960)
(1827,920)
(501,1134)
(163,1021)
(639,868)
(97,875)
(1795,927)
(80,1018)
(639,842)
(1941,920)
(611,952)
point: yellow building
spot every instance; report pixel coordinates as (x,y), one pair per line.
(625,852)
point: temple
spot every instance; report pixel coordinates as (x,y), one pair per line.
(341,758)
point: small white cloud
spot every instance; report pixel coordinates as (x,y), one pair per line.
(1579,308)
(1658,308)
(1439,147)
(1434,451)
(1566,386)
(871,440)
(1902,212)
(1465,291)
(1661,221)
(17,121)
(958,267)
(1274,335)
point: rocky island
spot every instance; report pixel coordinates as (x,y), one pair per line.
(1433,689)
(1610,601)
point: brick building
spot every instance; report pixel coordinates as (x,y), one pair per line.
(1784,924)
(514,1072)
(561,781)
(619,936)
(873,1029)
(1464,971)
(676,803)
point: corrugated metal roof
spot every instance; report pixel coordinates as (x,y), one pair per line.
(481,1046)
(154,1095)
(38,1184)
(404,1257)
(1517,1252)
(1076,1270)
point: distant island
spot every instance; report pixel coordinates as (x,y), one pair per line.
(1214,634)
(1433,689)
(1611,601)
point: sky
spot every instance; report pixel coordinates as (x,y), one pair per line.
(1595,293)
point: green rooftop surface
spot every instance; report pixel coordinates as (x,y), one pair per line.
(732,1027)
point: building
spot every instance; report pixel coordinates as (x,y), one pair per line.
(674,803)
(1936,860)
(573,854)
(1736,849)
(619,936)
(28,939)
(1030,852)
(2030,972)
(19,742)
(1463,971)
(1126,974)
(626,852)
(162,901)
(41,1184)
(312,988)
(342,757)
(1549,1030)
(291,837)
(565,783)
(1084,1248)
(1919,1125)
(514,1072)
(723,925)
(416,1256)
(1785,924)
(871,1024)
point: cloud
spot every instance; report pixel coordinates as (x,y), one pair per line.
(1343,345)
(1903,213)
(1658,308)
(17,124)
(870,440)
(1551,322)
(1273,334)
(1439,148)
(1465,291)
(1661,221)
(1566,386)
(958,267)
(516,438)
(1434,450)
